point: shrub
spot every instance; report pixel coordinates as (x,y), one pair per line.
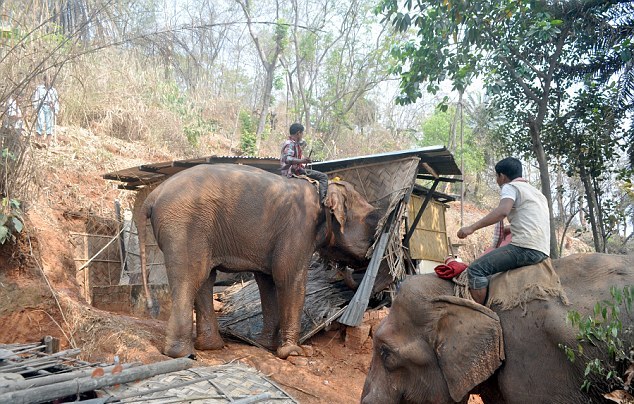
(604,331)
(247,133)
(11,222)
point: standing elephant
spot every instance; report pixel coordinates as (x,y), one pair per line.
(238,218)
(436,348)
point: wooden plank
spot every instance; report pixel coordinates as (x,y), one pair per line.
(354,312)
(19,365)
(432,178)
(58,378)
(71,387)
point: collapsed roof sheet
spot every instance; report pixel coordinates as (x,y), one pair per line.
(435,161)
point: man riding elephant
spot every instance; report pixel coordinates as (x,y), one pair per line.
(527,211)
(293,162)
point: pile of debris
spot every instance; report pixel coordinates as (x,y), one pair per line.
(38,373)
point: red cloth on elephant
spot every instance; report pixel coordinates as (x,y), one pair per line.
(451,268)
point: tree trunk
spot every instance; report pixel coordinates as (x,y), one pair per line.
(585,180)
(538,148)
(269,62)
(264,110)
(600,222)
(298,71)
(560,195)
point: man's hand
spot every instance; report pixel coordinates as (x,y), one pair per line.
(465,231)
(305,160)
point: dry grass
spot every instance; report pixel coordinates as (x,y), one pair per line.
(100,334)
(112,95)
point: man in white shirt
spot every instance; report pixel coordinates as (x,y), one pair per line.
(527,211)
(12,119)
(46,104)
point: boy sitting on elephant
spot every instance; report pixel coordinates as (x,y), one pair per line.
(527,211)
(292,161)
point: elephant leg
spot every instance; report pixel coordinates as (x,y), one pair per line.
(207,335)
(186,277)
(269,337)
(291,290)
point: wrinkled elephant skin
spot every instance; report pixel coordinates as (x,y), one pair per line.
(436,348)
(239,218)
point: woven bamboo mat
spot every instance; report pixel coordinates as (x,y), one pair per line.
(218,384)
(241,315)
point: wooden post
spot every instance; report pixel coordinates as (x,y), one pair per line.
(87,294)
(122,251)
(51,345)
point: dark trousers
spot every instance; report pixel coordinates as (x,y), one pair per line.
(323,182)
(499,260)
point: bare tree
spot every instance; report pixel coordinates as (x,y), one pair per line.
(269,56)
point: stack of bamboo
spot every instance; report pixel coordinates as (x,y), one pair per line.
(30,374)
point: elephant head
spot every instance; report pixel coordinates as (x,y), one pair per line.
(432,349)
(353,224)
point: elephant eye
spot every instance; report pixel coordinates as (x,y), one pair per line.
(388,357)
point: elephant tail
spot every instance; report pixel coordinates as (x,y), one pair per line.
(141,216)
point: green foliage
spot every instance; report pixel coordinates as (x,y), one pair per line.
(247,133)
(519,48)
(588,139)
(11,221)
(281,34)
(307,45)
(437,130)
(604,330)
(194,124)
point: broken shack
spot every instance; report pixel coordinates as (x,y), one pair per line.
(411,236)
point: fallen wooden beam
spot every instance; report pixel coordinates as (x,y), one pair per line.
(20,365)
(74,387)
(58,378)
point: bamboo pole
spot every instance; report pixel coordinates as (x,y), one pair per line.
(58,378)
(77,386)
(43,360)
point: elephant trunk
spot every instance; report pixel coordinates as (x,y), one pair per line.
(349,280)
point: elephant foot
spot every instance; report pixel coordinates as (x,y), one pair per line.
(289,349)
(209,343)
(178,349)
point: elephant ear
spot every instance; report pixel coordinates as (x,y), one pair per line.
(336,202)
(468,342)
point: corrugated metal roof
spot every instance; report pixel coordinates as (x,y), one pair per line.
(434,160)
(437,157)
(135,177)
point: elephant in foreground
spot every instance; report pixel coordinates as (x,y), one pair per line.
(436,348)
(237,218)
